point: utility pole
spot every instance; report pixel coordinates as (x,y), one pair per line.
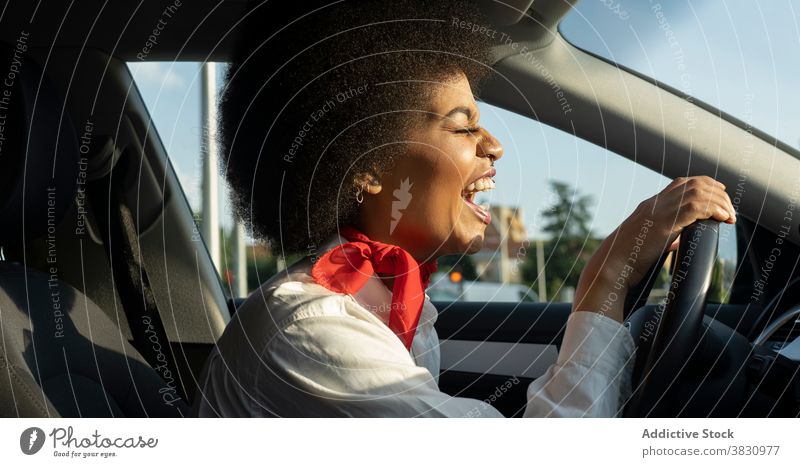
(210,220)
(540,270)
(239,262)
(208,146)
(504,229)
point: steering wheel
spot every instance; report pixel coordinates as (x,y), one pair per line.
(678,319)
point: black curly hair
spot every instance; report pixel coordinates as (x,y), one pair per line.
(311,102)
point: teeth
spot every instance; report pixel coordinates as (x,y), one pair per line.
(481,184)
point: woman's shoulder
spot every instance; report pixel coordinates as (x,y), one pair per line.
(292,295)
(290,298)
(290,290)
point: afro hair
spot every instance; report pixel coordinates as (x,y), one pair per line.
(320,92)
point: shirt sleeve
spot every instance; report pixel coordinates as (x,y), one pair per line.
(339,365)
(592,376)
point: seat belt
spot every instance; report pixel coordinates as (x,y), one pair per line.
(132,282)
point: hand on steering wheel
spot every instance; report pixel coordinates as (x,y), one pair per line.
(625,257)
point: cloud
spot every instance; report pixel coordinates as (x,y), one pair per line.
(162,75)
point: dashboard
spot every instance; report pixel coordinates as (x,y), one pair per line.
(783,334)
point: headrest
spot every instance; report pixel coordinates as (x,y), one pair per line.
(38,149)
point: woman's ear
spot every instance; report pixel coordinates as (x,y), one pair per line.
(369,183)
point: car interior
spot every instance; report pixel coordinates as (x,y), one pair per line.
(110,302)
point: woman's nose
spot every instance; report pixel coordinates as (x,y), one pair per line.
(489,146)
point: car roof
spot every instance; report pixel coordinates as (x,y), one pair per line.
(187,30)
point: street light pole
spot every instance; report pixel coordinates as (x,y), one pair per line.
(540,270)
(239,262)
(208,146)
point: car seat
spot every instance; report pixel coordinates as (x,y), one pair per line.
(60,354)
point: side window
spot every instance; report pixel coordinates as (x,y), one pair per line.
(725,268)
(172,93)
(722,275)
(557,198)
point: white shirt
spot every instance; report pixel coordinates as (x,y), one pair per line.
(297,349)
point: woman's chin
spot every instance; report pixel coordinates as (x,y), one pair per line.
(475,245)
(470,243)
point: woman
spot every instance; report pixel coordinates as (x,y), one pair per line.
(352,137)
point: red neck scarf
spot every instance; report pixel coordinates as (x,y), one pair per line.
(347,267)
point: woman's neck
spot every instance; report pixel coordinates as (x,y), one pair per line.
(421,255)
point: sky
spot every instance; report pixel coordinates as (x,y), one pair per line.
(738,56)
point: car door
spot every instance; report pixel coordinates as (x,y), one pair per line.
(493,351)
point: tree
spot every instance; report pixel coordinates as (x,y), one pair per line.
(717,290)
(571,241)
(259,270)
(259,267)
(460,263)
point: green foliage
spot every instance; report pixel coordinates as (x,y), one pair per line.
(717,292)
(260,270)
(569,215)
(571,241)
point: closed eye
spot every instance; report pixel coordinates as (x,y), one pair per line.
(468,130)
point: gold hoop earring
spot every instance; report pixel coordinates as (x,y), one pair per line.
(360,195)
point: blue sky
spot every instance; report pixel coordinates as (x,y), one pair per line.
(739,56)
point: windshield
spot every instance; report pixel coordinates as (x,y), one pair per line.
(741,57)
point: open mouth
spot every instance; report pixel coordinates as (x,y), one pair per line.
(482,183)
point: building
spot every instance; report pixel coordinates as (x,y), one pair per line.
(505,246)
